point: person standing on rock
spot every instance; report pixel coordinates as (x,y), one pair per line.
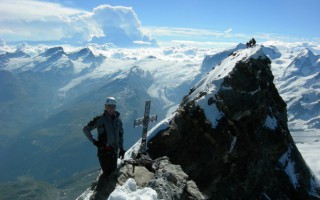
(110,136)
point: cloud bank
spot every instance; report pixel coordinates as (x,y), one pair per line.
(204,38)
(31,20)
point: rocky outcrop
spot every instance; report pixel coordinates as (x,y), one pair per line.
(248,153)
(167,179)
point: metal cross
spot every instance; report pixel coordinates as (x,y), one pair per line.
(144,121)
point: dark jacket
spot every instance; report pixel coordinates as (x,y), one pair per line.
(110,130)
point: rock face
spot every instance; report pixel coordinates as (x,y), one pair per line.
(248,153)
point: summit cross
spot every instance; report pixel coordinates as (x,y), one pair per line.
(144,121)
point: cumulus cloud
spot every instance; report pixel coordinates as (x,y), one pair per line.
(120,25)
(31,20)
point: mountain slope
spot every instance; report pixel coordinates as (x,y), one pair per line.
(54,147)
(42,126)
(28,189)
(210,61)
(299,84)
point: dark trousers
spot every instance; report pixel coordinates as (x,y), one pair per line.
(108,160)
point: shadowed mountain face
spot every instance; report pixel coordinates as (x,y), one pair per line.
(248,152)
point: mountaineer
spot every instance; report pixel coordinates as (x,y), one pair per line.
(110,136)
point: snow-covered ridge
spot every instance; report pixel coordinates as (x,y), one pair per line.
(306,63)
(52,59)
(223,69)
(211,83)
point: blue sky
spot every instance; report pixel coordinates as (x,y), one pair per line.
(168,22)
(274,16)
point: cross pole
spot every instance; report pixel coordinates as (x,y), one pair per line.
(144,121)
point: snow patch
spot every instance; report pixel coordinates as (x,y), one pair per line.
(270,123)
(254,92)
(129,191)
(289,167)
(86,195)
(233,143)
(314,183)
(266,196)
(162,125)
(211,111)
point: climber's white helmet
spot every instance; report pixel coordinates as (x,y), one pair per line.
(111,101)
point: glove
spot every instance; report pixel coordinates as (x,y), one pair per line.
(96,143)
(121,154)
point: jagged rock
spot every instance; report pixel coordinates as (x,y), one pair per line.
(102,188)
(168,180)
(171,182)
(139,173)
(193,191)
(249,153)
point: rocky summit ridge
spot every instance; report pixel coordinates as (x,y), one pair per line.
(229,139)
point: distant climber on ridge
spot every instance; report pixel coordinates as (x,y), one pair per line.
(251,43)
(110,136)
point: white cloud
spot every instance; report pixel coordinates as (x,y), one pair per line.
(228,31)
(167,36)
(205,44)
(182,32)
(141,42)
(29,10)
(202,34)
(31,20)
(120,25)
(195,37)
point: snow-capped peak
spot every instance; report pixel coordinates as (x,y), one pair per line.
(208,87)
(213,79)
(305,64)
(307,53)
(52,51)
(85,52)
(137,71)
(240,46)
